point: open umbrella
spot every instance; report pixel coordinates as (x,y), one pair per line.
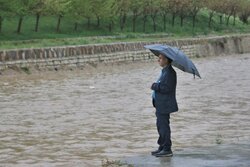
(179,59)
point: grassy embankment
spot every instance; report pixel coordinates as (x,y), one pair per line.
(46,36)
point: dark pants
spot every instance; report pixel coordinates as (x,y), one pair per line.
(163,127)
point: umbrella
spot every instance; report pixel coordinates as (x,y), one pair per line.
(179,59)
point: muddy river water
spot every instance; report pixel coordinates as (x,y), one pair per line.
(80,118)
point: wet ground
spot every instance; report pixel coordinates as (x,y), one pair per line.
(80,118)
(236,155)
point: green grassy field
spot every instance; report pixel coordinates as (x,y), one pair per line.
(47,35)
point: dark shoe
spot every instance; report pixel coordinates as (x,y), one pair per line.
(155,152)
(164,153)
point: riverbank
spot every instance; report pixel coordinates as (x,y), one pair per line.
(81,56)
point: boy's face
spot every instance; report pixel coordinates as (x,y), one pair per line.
(163,61)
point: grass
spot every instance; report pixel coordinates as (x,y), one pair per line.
(47,36)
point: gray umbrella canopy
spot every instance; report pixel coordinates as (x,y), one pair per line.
(179,59)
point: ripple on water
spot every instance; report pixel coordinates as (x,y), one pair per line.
(84,118)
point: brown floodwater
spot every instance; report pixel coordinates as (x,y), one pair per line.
(79,118)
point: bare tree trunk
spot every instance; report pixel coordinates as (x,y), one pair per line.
(228,19)
(194,20)
(88,24)
(153,16)
(182,18)
(144,22)
(98,21)
(154,22)
(58,23)
(173,19)
(211,14)
(111,25)
(209,22)
(1,23)
(37,22)
(194,15)
(20,24)
(134,20)
(164,21)
(234,18)
(76,26)
(123,18)
(221,19)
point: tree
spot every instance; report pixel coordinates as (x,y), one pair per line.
(98,9)
(179,8)
(231,9)
(244,11)
(174,9)
(21,9)
(80,9)
(5,10)
(195,7)
(183,9)
(135,7)
(221,8)
(164,9)
(109,11)
(37,7)
(154,8)
(59,8)
(25,7)
(145,12)
(212,6)
(122,10)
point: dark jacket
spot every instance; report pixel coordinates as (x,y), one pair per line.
(165,90)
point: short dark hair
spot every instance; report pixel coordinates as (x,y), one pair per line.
(169,60)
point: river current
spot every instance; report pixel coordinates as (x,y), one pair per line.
(80,118)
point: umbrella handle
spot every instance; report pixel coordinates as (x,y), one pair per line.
(193,73)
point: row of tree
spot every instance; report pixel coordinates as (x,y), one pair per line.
(111,10)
